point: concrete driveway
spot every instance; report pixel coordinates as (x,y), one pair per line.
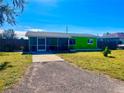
(61,77)
(46,58)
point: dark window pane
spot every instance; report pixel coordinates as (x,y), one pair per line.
(33,48)
(63,41)
(63,44)
(51,48)
(52,41)
(63,47)
(33,41)
(41,47)
(72,42)
(41,41)
(90,41)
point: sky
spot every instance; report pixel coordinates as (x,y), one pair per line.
(81,16)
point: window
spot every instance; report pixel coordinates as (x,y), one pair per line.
(72,42)
(41,41)
(90,41)
(63,44)
(51,41)
(41,47)
(33,48)
(33,41)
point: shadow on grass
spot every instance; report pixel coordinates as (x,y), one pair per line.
(5,65)
(4,54)
(111,57)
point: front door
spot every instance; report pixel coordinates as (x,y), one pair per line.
(41,44)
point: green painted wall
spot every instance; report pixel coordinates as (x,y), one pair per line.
(82,43)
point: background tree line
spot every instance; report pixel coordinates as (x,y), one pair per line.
(8,34)
(10,42)
(9,10)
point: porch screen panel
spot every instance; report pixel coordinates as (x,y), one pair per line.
(33,44)
(41,43)
(33,41)
(63,43)
(51,44)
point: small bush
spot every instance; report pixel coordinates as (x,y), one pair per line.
(3,65)
(106,52)
(22,48)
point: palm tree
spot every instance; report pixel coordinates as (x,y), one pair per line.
(9,10)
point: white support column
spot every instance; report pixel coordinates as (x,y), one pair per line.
(29,44)
(68,43)
(45,44)
(57,43)
(37,44)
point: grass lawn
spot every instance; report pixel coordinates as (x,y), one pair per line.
(12,67)
(113,65)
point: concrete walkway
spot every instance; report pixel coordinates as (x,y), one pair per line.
(46,58)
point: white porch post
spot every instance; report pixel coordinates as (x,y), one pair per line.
(45,44)
(37,44)
(57,44)
(29,44)
(68,43)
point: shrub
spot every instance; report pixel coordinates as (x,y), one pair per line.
(22,48)
(106,52)
(3,65)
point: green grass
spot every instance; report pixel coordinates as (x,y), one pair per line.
(113,65)
(12,67)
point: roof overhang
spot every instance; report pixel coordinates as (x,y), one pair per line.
(57,35)
(48,34)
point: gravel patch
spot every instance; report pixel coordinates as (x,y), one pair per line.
(61,77)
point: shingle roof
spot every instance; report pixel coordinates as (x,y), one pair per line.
(56,34)
(47,34)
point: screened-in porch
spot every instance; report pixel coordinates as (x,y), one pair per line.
(38,44)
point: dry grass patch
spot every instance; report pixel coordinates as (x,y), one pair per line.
(12,67)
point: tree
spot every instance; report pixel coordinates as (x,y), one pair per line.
(9,34)
(9,10)
(107,33)
(106,52)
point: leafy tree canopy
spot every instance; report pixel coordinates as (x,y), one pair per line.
(9,10)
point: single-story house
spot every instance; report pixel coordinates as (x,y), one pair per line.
(119,35)
(53,41)
(121,46)
(110,42)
